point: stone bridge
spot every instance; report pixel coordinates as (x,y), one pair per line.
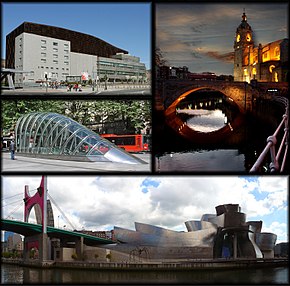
(242,93)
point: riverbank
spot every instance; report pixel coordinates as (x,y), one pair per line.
(156,265)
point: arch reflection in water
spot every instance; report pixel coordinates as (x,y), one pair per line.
(45,134)
(206,111)
(203,116)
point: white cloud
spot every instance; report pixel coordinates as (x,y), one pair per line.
(280,229)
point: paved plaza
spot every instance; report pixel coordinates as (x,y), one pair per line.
(28,164)
(111,90)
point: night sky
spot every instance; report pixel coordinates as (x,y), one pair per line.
(201,36)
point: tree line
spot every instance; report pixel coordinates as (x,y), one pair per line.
(135,115)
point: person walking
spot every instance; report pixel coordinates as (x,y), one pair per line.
(12,149)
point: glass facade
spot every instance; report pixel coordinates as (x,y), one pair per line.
(53,135)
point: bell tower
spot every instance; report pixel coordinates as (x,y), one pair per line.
(243,49)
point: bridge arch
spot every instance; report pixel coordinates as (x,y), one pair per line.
(180,127)
(38,200)
(237,92)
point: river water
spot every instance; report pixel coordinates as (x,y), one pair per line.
(13,274)
(221,139)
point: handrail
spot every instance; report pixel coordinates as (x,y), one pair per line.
(272,141)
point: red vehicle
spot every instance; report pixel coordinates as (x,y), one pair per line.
(130,143)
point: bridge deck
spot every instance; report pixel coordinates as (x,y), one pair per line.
(29,229)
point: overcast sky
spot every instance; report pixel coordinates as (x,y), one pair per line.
(102,202)
(201,36)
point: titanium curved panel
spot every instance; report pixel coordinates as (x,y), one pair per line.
(221,209)
(152,229)
(202,238)
(252,238)
(218,220)
(234,219)
(207,217)
(53,134)
(194,225)
(266,240)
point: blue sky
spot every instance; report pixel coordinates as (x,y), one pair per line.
(125,25)
(166,201)
(201,35)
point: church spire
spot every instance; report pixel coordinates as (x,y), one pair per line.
(244,17)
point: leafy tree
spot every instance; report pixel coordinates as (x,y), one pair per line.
(13,109)
(135,114)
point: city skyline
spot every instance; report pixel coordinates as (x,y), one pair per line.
(201,36)
(108,201)
(114,23)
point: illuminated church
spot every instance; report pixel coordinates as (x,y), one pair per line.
(265,63)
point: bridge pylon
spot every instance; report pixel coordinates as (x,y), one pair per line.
(39,241)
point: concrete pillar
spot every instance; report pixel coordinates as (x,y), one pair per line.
(40,241)
(25,250)
(43,247)
(235,246)
(80,247)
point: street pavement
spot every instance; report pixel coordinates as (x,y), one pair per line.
(28,164)
(123,90)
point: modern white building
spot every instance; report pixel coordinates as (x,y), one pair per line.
(57,54)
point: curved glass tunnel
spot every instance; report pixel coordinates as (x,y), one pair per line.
(55,136)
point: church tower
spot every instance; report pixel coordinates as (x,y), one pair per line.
(244,48)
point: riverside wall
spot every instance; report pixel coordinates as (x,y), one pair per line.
(156,265)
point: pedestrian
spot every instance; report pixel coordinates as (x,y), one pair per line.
(12,149)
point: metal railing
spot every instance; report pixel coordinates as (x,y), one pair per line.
(272,142)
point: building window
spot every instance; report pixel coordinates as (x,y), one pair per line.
(265,56)
(55,56)
(55,49)
(43,55)
(66,51)
(66,57)
(277,53)
(43,42)
(55,43)
(43,60)
(66,45)
(66,63)
(43,48)
(55,61)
